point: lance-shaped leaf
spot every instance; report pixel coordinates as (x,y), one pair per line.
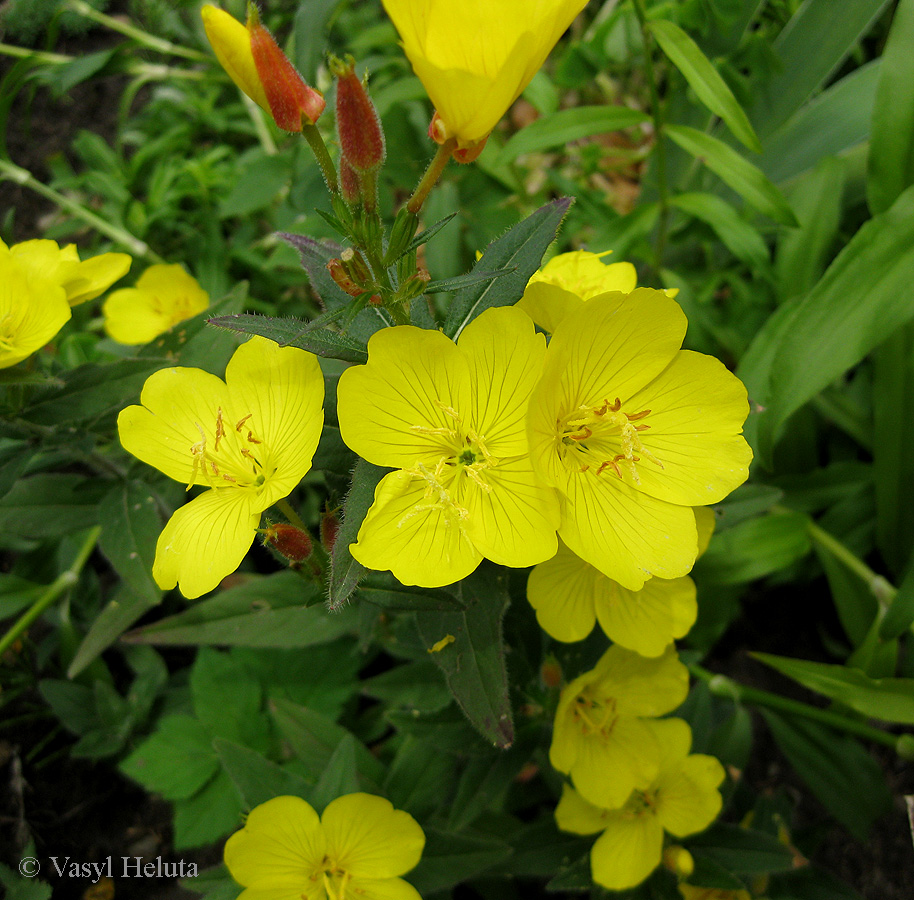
(523,248)
(296,333)
(705,80)
(736,171)
(467,646)
(345,571)
(464,281)
(382,589)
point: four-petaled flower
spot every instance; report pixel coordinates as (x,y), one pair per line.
(249,438)
(356,850)
(682,799)
(633,432)
(450,418)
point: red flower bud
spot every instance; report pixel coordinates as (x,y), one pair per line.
(339,274)
(361,136)
(291,100)
(289,541)
(349,182)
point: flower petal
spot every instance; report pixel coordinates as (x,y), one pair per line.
(421,541)
(628,850)
(383,889)
(576,815)
(205,540)
(643,686)
(87,279)
(281,845)
(393,411)
(562,591)
(369,838)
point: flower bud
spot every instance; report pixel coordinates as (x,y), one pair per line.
(551,672)
(678,860)
(360,132)
(339,274)
(415,285)
(292,102)
(356,267)
(289,541)
(349,182)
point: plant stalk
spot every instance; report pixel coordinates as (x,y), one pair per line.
(431,176)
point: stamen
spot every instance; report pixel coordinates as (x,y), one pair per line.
(220,430)
(242,421)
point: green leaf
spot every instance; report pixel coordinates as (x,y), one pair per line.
(568,125)
(51,505)
(734,170)
(417,686)
(812,340)
(13,460)
(17,593)
(889,699)
(812,47)
(755,548)
(295,333)
(841,774)
(420,778)
(474,662)
(446,730)
(213,884)
(274,611)
(256,778)
(891,160)
(345,571)
(176,761)
(20,888)
(72,703)
(744,851)
(522,247)
(262,178)
(226,697)
(341,775)
(449,859)
(311,24)
(465,281)
(382,589)
(737,235)
(900,614)
(209,815)
(573,878)
(704,79)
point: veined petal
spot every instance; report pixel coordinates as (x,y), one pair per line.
(626,534)
(547,304)
(232,44)
(514,522)
(421,538)
(562,591)
(383,889)
(180,408)
(370,839)
(282,389)
(696,420)
(87,279)
(505,358)
(398,409)
(643,686)
(281,846)
(646,621)
(628,851)
(287,891)
(205,540)
(705,522)
(576,815)
(129,319)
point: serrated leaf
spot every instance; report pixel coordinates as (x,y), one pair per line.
(226,696)
(465,281)
(257,778)
(345,571)
(522,247)
(889,699)
(474,662)
(735,171)
(704,79)
(341,775)
(560,128)
(296,333)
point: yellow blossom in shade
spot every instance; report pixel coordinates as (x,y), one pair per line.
(32,310)
(602,735)
(633,431)
(164,296)
(682,799)
(249,438)
(450,418)
(81,280)
(475,57)
(569,595)
(356,850)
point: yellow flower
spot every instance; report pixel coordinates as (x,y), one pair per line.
(163,296)
(602,737)
(475,58)
(81,281)
(569,595)
(355,851)
(682,799)
(450,418)
(32,310)
(570,279)
(633,432)
(254,61)
(249,438)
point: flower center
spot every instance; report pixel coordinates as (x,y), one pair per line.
(174,309)
(236,456)
(332,877)
(597,438)
(595,715)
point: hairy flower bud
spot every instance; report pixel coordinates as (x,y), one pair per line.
(289,541)
(349,182)
(339,274)
(360,132)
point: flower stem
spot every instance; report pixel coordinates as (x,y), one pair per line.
(659,142)
(136,34)
(431,176)
(118,235)
(61,584)
(722,686)
(322,155)
(53,59)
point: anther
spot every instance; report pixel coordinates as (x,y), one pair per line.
(220,429)
(242,421)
